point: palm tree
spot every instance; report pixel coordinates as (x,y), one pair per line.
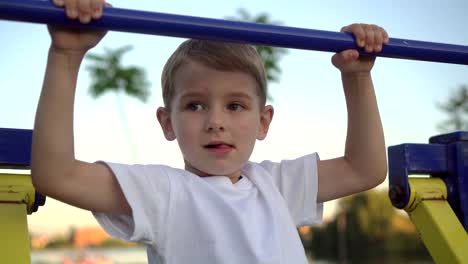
(456,107)
(270,55)
(108,75)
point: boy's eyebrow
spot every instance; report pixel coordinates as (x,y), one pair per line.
(189,95)
(240,95)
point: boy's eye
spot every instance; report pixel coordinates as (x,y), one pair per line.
(235,107)
(194,107)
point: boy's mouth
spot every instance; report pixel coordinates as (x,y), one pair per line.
(219,147)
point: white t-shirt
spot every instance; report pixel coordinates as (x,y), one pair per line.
(184,218)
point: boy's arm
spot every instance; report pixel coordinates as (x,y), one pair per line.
(55,171)
(364,163)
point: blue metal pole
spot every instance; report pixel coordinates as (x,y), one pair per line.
(117,19)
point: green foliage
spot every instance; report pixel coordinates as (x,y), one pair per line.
(108,74)
(363,229)
(71,234)
(373,212)
(114,243)
(60,243)
(270,55)
(456,107)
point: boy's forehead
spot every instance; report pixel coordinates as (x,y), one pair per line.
(195,78)
(192,68)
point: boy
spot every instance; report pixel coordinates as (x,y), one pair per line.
(221,208)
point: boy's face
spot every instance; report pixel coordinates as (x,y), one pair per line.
(216,117)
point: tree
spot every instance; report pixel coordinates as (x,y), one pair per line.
(270,55)
(108,75)
(456,107)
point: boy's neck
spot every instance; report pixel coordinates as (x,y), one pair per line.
(234,177)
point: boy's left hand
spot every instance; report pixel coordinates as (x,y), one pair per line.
(369,37)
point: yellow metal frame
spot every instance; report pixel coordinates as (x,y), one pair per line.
(17,196)
(438,226)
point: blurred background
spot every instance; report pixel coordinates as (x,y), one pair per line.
(416,99)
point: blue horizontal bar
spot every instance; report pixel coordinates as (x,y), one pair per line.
(125,20)
(15,148)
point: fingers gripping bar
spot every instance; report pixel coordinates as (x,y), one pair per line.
(143,22)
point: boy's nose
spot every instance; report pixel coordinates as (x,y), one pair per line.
(214,122)
(215,128)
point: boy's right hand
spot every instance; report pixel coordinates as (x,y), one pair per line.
(75,40)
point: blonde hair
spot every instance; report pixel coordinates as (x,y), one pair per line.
(221,56)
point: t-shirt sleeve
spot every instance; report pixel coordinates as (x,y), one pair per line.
(147,189)
(297,181)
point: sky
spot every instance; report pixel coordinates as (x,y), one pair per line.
(310,113)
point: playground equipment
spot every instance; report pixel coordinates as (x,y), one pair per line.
(437,205)
(17,195)
(429,201)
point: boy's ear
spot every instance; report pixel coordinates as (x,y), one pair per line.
(164,118)
(266,115)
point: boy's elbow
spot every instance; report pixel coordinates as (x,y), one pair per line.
(381,176)
(37,174)
(377,175)
(35,177)
(38,182)
(369,173)
(48,179)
